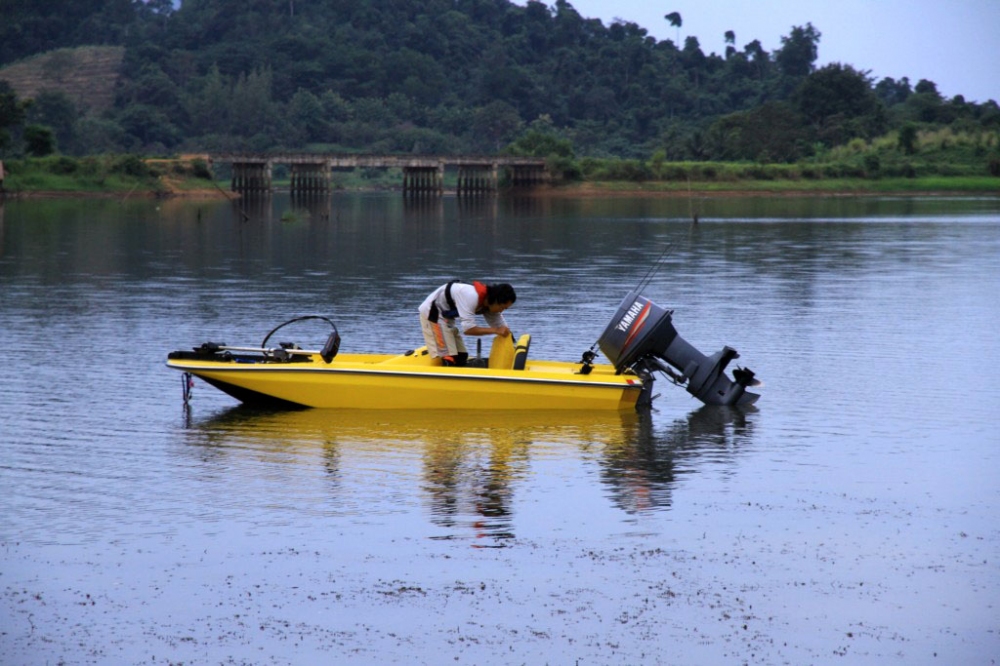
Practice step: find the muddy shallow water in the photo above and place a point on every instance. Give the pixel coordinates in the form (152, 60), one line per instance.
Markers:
(851, 517)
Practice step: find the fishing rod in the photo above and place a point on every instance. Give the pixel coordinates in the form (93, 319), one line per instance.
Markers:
(654, 269)
(587, 360)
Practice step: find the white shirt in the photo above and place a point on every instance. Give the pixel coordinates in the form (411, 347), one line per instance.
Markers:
(466, 301)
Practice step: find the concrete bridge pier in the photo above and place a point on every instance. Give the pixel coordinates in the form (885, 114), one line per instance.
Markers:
(527, 176)
(423, 175)
(251, 177)
(423, 180)
(310, 178)
(477, 178)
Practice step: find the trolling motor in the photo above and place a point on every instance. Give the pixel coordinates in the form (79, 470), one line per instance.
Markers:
(641, 337)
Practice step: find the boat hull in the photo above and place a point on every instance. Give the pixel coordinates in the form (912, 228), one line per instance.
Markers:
(373, 381)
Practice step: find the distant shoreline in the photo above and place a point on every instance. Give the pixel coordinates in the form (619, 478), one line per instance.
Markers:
(657, 189)
(708, 191)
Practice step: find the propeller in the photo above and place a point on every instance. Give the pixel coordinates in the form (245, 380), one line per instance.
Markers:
(746, 378)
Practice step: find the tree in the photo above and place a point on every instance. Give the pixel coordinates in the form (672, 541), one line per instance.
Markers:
(210, 102)
(799, 51)
(925, 87)
(675, 20)
(893, 92)
(730, 44)
(39, 141)
(537, 143)
(149, 126)
(908, 138)
(834, 89)
(839, 103)
(253, 109)
(772, 131)
(601, 104)
(12, 112)
(28, 28)
(758, 57)
(56, 111)
(693, 58)
(494, 124)
(98, 135)
(153, 87)
(226, 74)
(926, 104)
(307, 122)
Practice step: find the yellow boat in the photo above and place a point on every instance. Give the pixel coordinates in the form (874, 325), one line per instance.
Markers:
(638, 340)
(406, 381)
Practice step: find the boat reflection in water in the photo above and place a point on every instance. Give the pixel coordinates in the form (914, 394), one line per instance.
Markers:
(463, 468)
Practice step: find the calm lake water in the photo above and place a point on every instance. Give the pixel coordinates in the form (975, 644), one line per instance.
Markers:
(852, 517)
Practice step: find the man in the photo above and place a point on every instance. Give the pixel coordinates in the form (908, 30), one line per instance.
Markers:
(460, 301)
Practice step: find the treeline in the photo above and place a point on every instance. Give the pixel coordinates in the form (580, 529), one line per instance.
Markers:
(448, 76)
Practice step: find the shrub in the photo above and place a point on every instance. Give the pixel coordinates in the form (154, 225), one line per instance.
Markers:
(563, 167)
(200, 169)
(633, 170)
(130, 165)
(39, 140)
(63, 166)
(89, 166)
(673, 172)
(857, 145)
(908, 138)
(872, 165)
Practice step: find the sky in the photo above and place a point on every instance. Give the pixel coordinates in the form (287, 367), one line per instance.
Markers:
(954, 43)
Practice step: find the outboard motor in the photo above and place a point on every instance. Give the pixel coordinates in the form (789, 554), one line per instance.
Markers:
(641, 337)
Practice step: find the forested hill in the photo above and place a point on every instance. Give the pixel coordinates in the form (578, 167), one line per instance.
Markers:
(444, 76)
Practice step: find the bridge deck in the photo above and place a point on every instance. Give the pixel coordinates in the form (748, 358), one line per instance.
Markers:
(376, 161)
(421, 173)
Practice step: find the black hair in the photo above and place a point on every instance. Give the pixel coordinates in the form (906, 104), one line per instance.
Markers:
(500, 293)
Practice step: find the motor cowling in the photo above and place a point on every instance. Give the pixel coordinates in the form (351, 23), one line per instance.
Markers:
(641, 337)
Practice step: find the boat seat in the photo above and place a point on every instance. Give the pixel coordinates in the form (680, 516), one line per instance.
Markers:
(502, 353)
(505, 355)
(521, 352)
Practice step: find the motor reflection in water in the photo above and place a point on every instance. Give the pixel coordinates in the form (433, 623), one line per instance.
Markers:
(466, 470)
(642, 468)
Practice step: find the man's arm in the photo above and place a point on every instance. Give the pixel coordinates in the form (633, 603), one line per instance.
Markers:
(488, 330)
